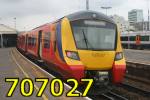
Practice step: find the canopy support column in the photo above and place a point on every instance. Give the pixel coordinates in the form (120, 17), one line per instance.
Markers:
(1, 40)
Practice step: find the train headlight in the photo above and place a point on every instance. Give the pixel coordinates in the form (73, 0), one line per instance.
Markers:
(72, 55)
(119, 56)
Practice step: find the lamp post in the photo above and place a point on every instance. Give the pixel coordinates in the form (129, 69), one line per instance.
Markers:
(128, 37)
(87, 4)
(106, 8)
(15, 23)
(148, 15)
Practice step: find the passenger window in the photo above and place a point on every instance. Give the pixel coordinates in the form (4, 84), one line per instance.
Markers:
(47, 40)
(29, 41)
(33, 41)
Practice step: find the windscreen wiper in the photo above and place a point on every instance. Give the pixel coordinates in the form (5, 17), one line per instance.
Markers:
(85, 39)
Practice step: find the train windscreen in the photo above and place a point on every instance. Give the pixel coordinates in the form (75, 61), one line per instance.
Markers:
(94, 34)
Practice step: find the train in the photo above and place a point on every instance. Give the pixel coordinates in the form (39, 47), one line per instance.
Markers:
(136, 40)
(84, 44)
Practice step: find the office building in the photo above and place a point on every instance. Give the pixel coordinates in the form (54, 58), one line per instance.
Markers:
(134, 16)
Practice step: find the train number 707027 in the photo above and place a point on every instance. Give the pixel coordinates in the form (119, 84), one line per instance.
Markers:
(26, 86)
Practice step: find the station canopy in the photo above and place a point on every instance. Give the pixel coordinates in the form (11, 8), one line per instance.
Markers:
(7, 30)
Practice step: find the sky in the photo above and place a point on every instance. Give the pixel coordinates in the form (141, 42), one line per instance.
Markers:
(32, 13)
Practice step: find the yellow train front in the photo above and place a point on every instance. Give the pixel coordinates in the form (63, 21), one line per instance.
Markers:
(90, 45)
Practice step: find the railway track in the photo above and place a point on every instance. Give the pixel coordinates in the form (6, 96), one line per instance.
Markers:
(140, 70)
(136, 90)
(134, 78)
(113, 96)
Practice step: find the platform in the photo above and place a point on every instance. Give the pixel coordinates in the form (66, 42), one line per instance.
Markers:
(13, 65)
(137, 56)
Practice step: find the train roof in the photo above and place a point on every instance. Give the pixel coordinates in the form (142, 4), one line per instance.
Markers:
(89, 15)
(141, 33)
(79, 15)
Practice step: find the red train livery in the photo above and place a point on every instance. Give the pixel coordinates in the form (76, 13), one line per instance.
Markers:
(85, 44)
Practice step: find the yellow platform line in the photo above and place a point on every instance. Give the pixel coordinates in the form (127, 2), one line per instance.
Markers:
(69, 87)
(36, 87)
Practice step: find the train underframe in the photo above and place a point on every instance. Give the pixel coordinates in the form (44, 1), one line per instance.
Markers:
(102, 81)
(134, 46)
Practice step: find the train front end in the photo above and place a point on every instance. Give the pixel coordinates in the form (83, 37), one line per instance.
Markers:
(91, 47)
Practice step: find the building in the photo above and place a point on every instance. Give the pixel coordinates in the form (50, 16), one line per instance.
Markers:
(141, 26)
(123, 25)
(7, 36)
(134, 16)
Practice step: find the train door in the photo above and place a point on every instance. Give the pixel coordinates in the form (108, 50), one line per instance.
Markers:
(40, 44)
(137, 39)
(138, 42)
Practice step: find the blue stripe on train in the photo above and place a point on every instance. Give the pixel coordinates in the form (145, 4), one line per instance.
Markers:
(59, 40)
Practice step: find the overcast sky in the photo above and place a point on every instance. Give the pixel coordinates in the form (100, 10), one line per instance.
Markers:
(32, 13)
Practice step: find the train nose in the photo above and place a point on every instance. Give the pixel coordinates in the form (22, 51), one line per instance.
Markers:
(97, 60)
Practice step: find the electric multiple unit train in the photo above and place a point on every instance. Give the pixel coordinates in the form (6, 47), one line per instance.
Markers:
(84, 44)
(136, 40)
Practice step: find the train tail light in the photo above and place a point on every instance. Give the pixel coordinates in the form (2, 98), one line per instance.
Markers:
(119, 56)
(72, 55)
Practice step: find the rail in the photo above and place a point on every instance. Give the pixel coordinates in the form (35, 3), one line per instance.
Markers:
(113, 96)
(135, 89)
